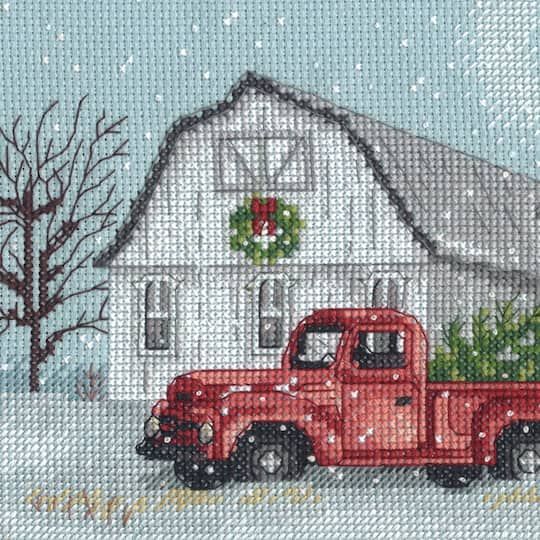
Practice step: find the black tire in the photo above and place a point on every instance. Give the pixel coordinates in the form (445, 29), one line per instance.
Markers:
(271, 452)
(518, 452)
(453, 477)
(197, 472)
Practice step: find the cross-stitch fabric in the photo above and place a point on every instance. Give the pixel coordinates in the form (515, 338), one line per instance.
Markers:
(269, 268)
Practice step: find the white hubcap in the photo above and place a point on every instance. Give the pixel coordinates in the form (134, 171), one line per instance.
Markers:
(529, 461)
(271, 461)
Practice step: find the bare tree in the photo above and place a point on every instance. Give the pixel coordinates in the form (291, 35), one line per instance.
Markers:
(55, 198)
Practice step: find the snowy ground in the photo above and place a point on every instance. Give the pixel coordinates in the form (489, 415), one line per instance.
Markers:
(83, 454)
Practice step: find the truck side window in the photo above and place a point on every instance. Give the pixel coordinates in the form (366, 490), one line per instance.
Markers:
(379, 350)
(317, 347)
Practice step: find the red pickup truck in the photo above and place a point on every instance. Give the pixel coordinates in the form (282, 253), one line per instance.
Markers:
(352, 391)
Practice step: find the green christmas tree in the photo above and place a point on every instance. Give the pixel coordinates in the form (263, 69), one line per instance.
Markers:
(504, 346)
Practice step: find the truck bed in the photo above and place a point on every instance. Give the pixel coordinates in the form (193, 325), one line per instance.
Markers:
(452, 409)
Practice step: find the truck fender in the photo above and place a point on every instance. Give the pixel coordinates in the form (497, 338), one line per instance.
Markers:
(246, 410)
(492, 418)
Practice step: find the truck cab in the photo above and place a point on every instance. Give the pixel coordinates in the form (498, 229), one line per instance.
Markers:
(352, 390)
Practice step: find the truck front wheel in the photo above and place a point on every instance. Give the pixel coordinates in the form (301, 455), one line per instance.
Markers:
(453, 477)
(197, 472)
(271, 452)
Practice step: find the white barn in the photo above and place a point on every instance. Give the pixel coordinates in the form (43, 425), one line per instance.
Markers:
(391, 219)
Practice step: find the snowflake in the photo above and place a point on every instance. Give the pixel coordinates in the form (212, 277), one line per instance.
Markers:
(229, 19)
(281, 21)
(183, 52)
(123, 67)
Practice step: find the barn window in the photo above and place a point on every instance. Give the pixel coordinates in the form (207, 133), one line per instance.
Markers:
(156, 313)
(385, 293)
(271, 300)
(261, 162)
(157, 316)
(270, 326)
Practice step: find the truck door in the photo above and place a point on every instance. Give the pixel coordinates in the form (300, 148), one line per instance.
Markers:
(380, 396)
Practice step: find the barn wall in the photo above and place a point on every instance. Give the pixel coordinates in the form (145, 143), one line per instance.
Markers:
(216, 315)
(347, 213)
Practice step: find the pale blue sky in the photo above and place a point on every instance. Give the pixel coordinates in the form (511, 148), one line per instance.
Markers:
(461, 72)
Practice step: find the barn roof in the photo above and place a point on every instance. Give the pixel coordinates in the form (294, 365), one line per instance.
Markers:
(461, 209)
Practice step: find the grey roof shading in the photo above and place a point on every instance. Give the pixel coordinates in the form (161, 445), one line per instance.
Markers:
(461, 209)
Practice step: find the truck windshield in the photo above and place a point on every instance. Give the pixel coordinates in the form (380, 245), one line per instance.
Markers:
(317, 347)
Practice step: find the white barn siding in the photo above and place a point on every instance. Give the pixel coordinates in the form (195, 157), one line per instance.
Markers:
(216, 315)
(347, 213)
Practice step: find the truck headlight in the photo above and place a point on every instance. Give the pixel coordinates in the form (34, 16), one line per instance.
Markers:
(206, 433)
(151, 427)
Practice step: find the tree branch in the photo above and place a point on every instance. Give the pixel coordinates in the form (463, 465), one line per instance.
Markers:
(52, 156)
(8, 278)
(81, 324)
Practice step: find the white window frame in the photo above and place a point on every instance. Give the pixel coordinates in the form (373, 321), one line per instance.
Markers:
(141, 287)
(254, 287)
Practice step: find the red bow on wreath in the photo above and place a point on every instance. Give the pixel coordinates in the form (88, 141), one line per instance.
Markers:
(262, 217)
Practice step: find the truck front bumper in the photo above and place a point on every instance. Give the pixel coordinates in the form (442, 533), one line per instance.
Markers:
(150, 451)
(166, 451)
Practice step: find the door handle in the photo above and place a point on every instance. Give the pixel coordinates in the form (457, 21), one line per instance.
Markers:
(401, 401)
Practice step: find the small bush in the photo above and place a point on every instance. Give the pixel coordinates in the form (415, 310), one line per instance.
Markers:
(90, 385)
(505, 346)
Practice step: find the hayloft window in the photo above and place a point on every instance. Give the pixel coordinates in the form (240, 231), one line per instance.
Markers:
(157, 316)
(261, 162)
(271, 301)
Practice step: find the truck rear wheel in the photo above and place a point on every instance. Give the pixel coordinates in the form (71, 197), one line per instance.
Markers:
(197, 472)
(271, 452)
(453, 477)
(518, 452)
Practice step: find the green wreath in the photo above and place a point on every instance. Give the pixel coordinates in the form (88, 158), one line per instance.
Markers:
(265, 229)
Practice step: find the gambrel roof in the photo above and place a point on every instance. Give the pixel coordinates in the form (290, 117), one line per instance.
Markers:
(461, 209)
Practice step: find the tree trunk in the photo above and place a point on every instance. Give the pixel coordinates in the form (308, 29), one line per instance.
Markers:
(35, 354)
(30, 316)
